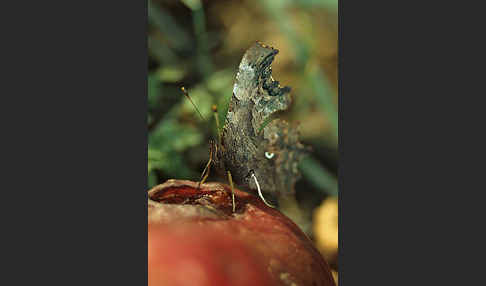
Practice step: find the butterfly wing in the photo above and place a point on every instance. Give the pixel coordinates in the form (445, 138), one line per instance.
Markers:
(249, 142)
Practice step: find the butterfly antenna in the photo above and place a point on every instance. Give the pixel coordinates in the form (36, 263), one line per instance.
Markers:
(184, 90)
(259, 190)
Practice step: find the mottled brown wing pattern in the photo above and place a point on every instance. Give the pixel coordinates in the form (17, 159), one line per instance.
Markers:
(273, 151)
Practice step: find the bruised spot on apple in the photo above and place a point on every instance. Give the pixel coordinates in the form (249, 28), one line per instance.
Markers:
(194, 238)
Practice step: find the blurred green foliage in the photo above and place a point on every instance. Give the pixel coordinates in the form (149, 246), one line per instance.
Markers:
(198, 44)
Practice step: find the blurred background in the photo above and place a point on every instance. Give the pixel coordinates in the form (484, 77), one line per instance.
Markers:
(199, 44)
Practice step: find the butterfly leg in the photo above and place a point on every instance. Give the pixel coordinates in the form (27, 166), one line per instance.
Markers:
(232, 190)
(206, 170)
(216, 118)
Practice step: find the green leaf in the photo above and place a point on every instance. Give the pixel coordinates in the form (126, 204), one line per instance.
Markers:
(325, 97)
(220, 81)
(153, 89)
(171, 74)
(171, 136)
(156, 160)
(152, 180)
(331, 5)
(319, 176)
(149, 119)
(168, 26)
(192, 4)
(167, 142)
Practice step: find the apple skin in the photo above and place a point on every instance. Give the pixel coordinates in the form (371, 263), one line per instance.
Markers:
(195, 239)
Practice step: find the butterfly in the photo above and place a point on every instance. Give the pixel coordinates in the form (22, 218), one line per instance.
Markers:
(255, 149)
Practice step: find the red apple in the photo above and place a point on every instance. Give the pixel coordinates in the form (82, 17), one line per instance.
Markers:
(195, 239)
